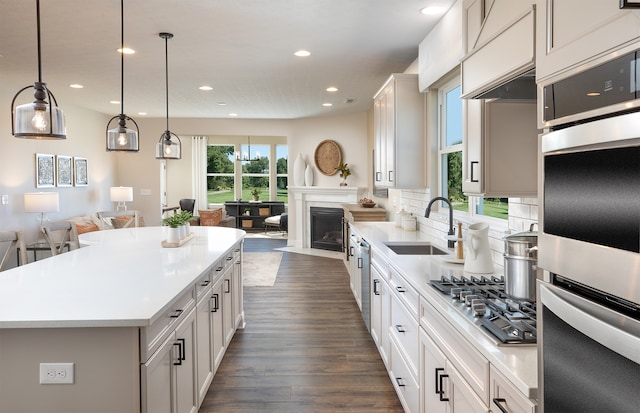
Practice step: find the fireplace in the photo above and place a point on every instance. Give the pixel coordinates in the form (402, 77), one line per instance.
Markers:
(326, 228)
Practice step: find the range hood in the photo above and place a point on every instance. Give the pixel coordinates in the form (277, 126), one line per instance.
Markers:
(522, 87)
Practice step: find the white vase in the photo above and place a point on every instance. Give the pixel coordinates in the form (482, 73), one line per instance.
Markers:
(173, 234)
(308, 176)
(183, 231)
(299, 166)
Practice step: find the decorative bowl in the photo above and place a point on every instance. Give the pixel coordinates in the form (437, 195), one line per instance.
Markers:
(367, 204)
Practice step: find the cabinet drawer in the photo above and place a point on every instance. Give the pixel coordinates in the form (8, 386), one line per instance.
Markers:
(505, 394)
(469, 361)
(404, 382)
(203, 283)
(404, 329)
(151, 337)
(407, 294)
(379, 260)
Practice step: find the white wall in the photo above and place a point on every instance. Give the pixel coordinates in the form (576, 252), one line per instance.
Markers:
(85, 138)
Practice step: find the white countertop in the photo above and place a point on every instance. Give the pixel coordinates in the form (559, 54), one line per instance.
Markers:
(121, 277)
(517, 363)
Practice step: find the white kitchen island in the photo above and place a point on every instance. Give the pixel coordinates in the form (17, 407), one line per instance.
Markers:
(144, 326)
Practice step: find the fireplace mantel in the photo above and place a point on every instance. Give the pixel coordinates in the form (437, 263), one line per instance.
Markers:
(304, 197)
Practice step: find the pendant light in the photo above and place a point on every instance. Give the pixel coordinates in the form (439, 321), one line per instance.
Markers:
(166, 148)
(246, 156)
(121, 138)
(41, 119)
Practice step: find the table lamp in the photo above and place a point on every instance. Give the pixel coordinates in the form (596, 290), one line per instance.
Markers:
(41, 202)
(121, 194)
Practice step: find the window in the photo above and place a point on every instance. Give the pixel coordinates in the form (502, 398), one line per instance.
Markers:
(450, 130)
(229, 179)
(450, 153)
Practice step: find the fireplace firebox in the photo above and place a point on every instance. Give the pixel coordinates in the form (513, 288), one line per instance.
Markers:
(326, 228)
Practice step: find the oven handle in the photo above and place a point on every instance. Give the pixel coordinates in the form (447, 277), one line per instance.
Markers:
(613, 330)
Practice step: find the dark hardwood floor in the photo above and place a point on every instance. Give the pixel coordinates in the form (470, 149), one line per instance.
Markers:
(304, 349)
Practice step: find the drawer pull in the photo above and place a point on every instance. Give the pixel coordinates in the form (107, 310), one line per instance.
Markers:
(227, 289)
(229, 258)
(401, 289)
(399, 381)
(181, 356)
(375, 286)
(216, 303)
(219, 269)
(499, 403)
(205, 283)
(441, 392)
(176, 314)
(400, 329)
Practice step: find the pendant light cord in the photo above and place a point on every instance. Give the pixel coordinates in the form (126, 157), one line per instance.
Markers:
(166, 72)
(39, 52)
(121, 57)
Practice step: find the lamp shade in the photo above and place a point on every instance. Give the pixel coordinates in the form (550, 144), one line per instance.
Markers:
(121, 194)
(41, 202)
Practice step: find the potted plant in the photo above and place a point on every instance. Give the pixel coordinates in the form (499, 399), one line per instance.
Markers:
(255, 193)
(173, 222)
(344, 173)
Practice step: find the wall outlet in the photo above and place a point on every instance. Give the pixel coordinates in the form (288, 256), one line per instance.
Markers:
(56, 373)
(5, 199)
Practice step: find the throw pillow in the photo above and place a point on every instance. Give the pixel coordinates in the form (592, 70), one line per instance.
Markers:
(210, 217)
(121, 222)
(86, 228)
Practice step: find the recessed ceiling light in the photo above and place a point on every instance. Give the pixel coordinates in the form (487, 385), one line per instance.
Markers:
(76, 86)
(205, 88)
(327, 104)
(332, 89)
(222, 103)
(591, 94)
(142, 113)
(126, 50)
(233, 114)
(432, 10)
(302, 53)
(115, 102)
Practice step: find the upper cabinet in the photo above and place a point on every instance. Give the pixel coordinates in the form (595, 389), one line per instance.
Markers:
(572, 33)
(399, 134)
(501, 147)
(499, 41)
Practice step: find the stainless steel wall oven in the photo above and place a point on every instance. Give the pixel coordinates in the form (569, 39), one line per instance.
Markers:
(589, 241)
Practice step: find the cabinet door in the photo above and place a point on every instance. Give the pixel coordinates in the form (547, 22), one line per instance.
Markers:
(227, 305)
(390, 136)
(571, 32)
(385, 321)
(185, 366)
(376, 304)
(204, 333)
(461, 396)
(378, 138)
(505, 395)
(237, 298)
(431, 370)
(472, 180)
(217, 323)
(156, 377)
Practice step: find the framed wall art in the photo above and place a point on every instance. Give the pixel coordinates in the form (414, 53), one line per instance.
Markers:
(64, 170)
(45, 170)
(80, 171)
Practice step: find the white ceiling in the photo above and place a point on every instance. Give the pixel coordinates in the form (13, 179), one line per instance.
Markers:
(243, 49)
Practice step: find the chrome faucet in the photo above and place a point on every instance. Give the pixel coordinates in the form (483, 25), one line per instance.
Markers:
(450, 243)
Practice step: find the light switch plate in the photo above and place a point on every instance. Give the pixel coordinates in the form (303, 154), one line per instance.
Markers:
(5, 199)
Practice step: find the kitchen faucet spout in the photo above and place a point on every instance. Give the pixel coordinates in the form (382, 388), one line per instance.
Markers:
(450, 243)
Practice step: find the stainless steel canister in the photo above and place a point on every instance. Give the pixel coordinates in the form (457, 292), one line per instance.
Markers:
(521, 264)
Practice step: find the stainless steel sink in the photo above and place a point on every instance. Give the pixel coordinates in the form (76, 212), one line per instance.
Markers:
(415, 248)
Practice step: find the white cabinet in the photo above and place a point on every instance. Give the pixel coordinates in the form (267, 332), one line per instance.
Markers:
(238, 299)
(204, 336)
(501, 147)
(573, 32)
(380, 305)
(168, 377)
(355, 267)
(505, 397)
(217, 323)
(399, 134)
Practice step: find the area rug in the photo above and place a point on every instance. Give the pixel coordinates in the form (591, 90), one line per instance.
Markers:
(259, 269)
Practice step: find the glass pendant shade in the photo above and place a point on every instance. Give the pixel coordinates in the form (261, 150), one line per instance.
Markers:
(122, 138)
(167, 148)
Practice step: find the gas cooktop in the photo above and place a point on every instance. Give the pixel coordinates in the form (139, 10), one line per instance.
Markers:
(507, 321)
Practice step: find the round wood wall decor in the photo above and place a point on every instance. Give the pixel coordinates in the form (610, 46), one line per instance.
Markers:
(328, 157)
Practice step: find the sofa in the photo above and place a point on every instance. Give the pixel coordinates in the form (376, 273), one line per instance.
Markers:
(216, 217)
